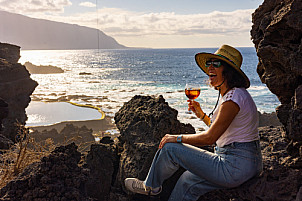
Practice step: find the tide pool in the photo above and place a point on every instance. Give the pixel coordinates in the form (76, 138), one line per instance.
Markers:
(47, 113)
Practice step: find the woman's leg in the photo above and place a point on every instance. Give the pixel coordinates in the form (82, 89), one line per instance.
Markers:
(200, 162)
(228, 167)
(190, 187)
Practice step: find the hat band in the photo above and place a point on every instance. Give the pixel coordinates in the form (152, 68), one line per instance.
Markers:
(228, 60)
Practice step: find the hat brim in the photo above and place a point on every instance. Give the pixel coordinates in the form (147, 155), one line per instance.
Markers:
(202, 57)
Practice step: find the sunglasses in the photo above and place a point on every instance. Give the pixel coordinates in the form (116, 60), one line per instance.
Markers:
(216, 64)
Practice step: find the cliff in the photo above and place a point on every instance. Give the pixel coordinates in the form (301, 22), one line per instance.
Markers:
(277, 35)
(16, 86)
(31, 33)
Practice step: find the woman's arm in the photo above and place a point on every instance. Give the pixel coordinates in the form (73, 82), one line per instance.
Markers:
(227, 112)
(195, 107)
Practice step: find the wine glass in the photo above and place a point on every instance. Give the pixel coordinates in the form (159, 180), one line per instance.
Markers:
(192, 91)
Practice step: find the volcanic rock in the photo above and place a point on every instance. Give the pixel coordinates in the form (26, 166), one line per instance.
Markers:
(5, 143)
(142, 122)
(16, 86)
(69, 133)
(9, 52)
(277, 35)
(102, 161)
(56, 177)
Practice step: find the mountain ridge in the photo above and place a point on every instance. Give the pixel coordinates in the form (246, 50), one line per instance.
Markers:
(32, 34)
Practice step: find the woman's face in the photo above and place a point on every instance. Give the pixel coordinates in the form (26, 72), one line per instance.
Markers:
(215, 74)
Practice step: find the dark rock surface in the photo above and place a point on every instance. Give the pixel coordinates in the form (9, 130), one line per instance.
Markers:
(16, 86)
(9, 52)
(69, 133)
(5, 143)
(3, 111)
(142, 122)
(56, 177)
(102, 161)
(277, 35)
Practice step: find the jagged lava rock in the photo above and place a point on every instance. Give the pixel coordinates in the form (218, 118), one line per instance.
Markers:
(102, 161)
(69, 133)
(56, 177)
(16, 86)
(142, 122)
(148, 119)
(277, 35)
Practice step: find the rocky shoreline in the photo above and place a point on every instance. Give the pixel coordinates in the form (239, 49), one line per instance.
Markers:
(98, 172)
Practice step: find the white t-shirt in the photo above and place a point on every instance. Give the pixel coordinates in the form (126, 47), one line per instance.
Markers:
(244, 127)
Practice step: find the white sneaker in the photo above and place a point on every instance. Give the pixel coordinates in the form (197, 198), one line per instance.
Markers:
(137, 186)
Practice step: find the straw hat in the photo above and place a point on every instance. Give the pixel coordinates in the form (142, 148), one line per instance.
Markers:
(227, 54)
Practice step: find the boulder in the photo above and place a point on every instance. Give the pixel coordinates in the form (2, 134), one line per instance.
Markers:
(9, 52)
(56, 177)
(102, 162)
(16, 86)
(142, 122)
(276, 33)
(70, 133)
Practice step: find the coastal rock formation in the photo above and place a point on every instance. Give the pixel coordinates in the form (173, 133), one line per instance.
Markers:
(69, 133)
(142, 122)
(16, 86)
(9, 52)
(34, 69)
(56, 177)
(277, 35)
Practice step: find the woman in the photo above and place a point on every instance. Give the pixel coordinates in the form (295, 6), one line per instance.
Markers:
(233, 128)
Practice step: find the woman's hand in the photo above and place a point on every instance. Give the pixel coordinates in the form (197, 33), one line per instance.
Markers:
(195, 107)
(167, 138)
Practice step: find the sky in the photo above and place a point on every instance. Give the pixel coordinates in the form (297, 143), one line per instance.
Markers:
(152, 23)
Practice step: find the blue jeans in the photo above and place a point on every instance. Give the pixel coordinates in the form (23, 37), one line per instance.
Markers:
(227, 167)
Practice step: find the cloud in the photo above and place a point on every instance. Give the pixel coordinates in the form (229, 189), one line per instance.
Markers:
(32, 7)
(123, 23)
(166, 23)
(88, 4)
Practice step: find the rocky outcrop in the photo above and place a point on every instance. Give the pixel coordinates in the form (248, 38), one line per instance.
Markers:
(142, 122)
(102, 161)
(16, 86)
(56, 177)
(9, 52)
(69, 133)
(34, 69)
(277, 35)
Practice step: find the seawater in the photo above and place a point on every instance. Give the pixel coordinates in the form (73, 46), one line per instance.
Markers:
(115, 76)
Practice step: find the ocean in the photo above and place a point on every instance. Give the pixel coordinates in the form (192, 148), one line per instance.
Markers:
(109, 78)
